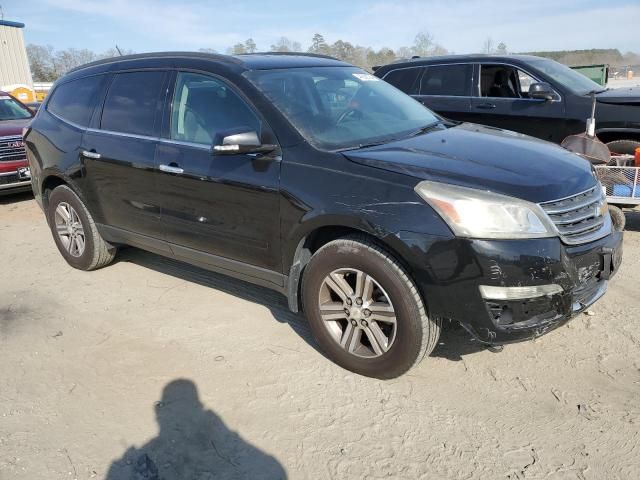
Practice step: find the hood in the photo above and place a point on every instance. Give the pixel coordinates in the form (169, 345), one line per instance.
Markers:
(12, 127)
(484, 158)
(625, 96)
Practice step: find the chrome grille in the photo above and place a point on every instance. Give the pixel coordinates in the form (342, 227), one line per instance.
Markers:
(580, 218)
(12, 148)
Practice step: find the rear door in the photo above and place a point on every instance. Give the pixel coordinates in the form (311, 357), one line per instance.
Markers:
(446, 89)
(222, 210)
(119, 152)
(501, 100)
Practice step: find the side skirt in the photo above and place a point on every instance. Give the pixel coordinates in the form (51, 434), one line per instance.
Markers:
(233, 268)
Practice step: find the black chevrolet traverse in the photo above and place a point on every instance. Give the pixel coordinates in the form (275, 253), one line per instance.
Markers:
(527, 94)
(304, 174)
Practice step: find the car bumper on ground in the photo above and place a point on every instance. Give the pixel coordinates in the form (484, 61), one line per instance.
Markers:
(504, 291)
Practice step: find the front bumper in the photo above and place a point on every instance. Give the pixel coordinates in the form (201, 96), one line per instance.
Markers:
(14, 177)
(449, 273)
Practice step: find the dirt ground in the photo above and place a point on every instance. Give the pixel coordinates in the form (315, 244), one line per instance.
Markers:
(152, 367)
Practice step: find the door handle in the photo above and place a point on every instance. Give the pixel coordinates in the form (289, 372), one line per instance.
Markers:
(486, 106)
(94, 155)
(171, 169)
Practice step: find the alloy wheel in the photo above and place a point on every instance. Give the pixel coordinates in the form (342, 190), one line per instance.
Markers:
(357, 312)
(69, 229)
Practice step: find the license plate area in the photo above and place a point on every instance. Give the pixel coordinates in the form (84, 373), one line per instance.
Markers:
(24, 173)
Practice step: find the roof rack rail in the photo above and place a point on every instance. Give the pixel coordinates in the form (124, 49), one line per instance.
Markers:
(137, 56)
(299, 54)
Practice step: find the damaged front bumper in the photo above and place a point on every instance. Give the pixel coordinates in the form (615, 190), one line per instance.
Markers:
(458, 277)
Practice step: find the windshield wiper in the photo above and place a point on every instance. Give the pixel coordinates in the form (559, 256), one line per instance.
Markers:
(363, 145)
(425, 129)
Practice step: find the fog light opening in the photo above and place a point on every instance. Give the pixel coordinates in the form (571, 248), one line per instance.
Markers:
(489, 292)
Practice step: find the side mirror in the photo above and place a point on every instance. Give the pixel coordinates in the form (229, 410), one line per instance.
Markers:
(239, 140)
(541, 91)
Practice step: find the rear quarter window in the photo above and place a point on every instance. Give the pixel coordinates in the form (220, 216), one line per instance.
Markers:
(405, 79)
(447, 80)
(74, 101)
(133, 102)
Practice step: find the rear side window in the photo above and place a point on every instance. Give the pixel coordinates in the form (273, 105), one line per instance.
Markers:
(132, 102)
(74, 101)
(405, 79)
(448, 80)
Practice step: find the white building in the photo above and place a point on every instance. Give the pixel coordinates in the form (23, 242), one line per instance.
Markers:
(15, 75)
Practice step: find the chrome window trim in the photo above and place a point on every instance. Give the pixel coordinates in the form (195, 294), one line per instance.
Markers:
(202, 146)
(480, 64)
(123, 134)
(68, 122)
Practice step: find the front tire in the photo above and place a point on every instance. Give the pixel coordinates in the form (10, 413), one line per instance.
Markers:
(364, 310)
(75, 232)
(617, 218)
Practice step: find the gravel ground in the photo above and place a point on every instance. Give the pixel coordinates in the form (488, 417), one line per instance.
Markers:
(152, 367)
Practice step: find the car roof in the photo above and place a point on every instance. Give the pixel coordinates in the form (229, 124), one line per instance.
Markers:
(254, 61)
(463, 59)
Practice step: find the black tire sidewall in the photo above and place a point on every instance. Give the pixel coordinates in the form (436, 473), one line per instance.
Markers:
(617, 218)
(407, 346)
(65, 194)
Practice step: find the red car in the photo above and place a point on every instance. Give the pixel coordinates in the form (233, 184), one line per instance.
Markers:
(15, 175)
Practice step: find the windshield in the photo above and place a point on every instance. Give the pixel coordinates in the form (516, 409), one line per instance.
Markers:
(574, 81)
(12, 110)
(336, 108)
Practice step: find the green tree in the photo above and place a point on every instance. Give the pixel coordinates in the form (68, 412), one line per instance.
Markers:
(423, 44)
(286, 45)
(501, 49)
(238, 49)
(250, 46)
(319, 45)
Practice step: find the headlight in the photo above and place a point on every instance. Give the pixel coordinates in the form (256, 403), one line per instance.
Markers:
(481, 214)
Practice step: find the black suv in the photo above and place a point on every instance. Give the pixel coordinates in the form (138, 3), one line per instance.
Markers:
(314, 178)
(523, 93)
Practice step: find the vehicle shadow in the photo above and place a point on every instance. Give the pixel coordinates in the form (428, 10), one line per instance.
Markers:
(193, 443)
(633, 220)
(8, 198)
(275, 302)
(453, 344)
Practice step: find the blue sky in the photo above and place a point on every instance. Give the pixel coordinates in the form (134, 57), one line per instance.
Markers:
(459, 25)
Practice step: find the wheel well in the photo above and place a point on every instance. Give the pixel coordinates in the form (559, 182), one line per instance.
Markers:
(312, 243)
(48, 185)
(607, 137)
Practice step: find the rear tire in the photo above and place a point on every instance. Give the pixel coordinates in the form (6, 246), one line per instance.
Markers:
(617, 218)
(75, 232)
(375, 289)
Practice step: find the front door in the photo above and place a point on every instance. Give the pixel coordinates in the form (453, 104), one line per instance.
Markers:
(220, 209)
(501, 100)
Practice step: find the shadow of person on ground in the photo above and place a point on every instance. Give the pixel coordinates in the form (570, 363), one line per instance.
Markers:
(193, 444)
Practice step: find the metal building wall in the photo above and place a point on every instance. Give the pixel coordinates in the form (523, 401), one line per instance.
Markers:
(14, 65)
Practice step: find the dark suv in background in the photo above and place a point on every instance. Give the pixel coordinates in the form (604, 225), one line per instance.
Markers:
(526, 94)
(314, 178)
